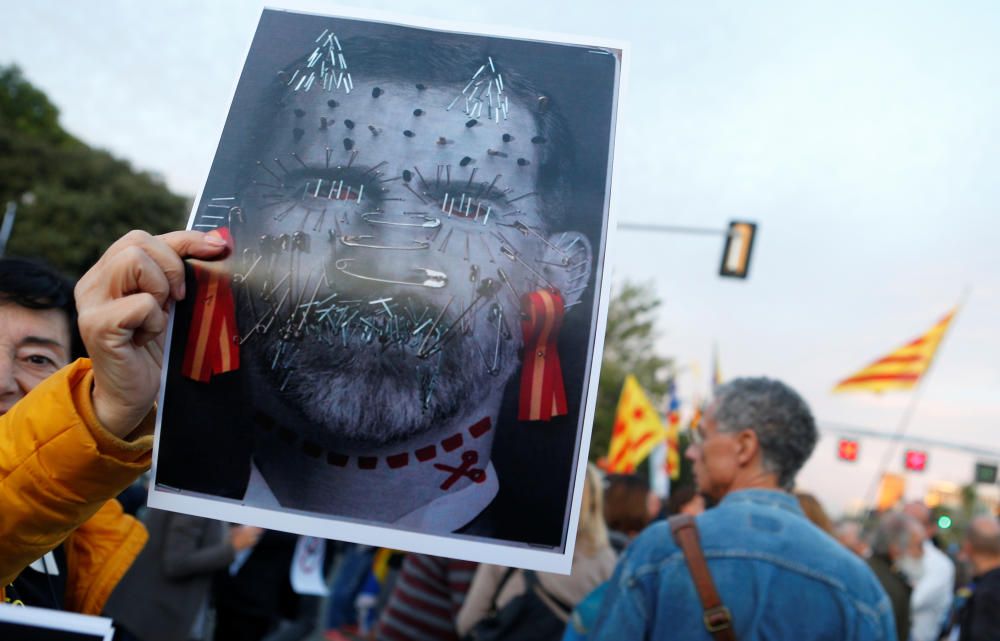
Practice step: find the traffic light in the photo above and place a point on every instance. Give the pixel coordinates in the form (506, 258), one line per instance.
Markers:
(736, 253)
(847, 449)
(944, 522)
(986, 473)
(915, 460)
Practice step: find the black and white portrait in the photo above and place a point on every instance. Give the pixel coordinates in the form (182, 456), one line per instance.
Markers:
(403, 337)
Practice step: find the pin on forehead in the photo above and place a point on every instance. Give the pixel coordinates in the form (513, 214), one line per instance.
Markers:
(417, 117)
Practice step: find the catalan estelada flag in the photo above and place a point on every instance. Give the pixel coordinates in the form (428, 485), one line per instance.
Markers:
(637, 429)
(901, 369)
(673, 436)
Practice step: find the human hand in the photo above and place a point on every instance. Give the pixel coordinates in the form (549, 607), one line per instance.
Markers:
(122, 303)
(242, 537)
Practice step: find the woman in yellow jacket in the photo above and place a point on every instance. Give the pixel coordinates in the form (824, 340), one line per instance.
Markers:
(71, 438)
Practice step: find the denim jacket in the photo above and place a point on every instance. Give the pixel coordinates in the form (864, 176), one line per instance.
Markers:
(780, 576)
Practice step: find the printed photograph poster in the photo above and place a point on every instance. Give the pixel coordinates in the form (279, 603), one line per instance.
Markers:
(26, 623)
(402, 347)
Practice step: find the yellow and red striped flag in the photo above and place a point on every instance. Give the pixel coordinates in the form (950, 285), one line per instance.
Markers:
(901, 369)
(637, 429)
(673, 436)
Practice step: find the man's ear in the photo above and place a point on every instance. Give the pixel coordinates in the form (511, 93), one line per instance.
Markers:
(749, 447)
(568, 264)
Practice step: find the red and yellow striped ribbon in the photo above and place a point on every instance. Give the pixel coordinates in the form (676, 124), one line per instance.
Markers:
(212, 347)
(543, 395)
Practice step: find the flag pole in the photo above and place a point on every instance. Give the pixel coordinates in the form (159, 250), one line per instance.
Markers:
(904, 422)
(892, 448)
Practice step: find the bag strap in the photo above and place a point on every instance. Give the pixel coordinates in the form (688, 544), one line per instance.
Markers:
(716, 616)
(532, 582)
(503, 582)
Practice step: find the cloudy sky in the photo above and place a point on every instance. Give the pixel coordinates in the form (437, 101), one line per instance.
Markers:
(863, 139)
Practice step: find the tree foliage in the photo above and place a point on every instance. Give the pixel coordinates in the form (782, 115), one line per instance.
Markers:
(629, 348)
(82, 199)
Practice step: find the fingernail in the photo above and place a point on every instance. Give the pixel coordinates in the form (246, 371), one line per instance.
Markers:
(181, 290)
(215, 241)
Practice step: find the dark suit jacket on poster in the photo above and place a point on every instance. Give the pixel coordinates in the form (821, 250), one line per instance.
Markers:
(208, 444)
(168, 584)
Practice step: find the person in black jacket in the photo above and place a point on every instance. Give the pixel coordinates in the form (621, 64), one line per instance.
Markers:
(980, 618)
(255, 592)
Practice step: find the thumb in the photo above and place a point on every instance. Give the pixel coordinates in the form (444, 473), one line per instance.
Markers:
(196, 244)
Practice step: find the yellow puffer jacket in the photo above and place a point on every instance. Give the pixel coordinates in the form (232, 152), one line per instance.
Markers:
(59, 470)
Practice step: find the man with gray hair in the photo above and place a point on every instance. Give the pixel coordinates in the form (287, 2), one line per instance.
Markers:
(979, 620)
(777, 576)
(897, 560)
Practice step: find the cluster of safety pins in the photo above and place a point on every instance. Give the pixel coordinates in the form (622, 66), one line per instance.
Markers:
(287, 313)
(326, 64)
(484, 92)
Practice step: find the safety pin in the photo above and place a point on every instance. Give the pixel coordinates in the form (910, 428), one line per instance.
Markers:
(266, 295)
(270, 317)
(511, 254)
(431, 278)
(239, 278)
(524, 229)
(429, 223)
(355, 241)
(506, 281)
(496, 311)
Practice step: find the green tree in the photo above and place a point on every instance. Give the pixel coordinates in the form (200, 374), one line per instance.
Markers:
(83, 199)
(629, 348)
(25, 109)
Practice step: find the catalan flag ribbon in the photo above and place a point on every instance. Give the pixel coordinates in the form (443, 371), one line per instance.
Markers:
(543, 395)
(637, 429)
(901, 369)
(212, 347)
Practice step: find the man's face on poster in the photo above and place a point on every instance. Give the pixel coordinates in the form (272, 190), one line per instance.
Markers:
(388, 241)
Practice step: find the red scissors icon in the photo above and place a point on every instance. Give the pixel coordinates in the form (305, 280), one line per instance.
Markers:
(469, 459)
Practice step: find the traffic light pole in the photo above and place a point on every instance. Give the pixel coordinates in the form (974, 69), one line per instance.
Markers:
(739, 237)
(674, 229)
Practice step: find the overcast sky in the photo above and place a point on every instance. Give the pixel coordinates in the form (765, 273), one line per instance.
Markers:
(863, 139)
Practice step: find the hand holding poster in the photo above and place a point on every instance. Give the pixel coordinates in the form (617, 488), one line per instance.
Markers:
(402, 348)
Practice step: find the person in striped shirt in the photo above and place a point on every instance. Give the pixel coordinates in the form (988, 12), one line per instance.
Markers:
(425, 599)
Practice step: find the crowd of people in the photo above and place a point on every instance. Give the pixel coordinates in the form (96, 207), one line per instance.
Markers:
(738, 555)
